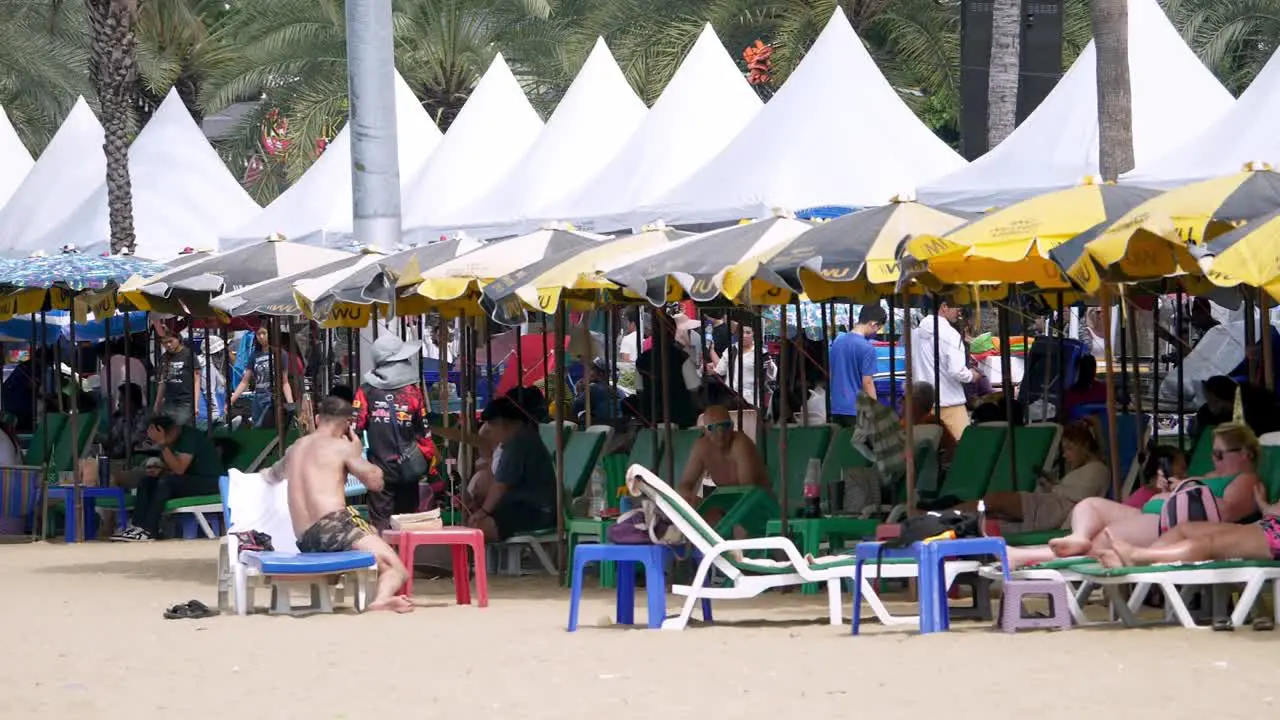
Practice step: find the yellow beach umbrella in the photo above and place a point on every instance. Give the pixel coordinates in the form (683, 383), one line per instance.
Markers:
(1150, 240)
(540, 287)
(846, 258)
(1249, 255)
(453, 287)
(1012, 244)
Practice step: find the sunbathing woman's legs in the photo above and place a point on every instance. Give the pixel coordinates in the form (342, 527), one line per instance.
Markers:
(1089, 518)
(1193, 542)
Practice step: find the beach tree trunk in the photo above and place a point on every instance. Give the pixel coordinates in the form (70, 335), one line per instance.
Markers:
(1115, 101)
(1002, 76)
(113, 54)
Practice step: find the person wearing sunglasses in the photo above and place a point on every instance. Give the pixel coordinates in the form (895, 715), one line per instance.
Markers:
(1097, 522)
(723, 455)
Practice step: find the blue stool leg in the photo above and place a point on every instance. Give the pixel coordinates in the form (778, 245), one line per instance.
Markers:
(90, 518)
(927, 593)
(857, 596)
(655, 583)
(69, 518)
(944, 606)
(626, 605)
(575, 591)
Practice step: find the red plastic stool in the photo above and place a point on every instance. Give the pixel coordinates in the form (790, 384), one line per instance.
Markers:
(458, 540)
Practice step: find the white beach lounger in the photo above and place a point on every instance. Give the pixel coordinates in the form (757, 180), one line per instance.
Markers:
(1176, 579)
(750, 577)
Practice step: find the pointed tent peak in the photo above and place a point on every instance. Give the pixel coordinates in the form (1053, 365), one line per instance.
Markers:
(15, 159)
(703, 65)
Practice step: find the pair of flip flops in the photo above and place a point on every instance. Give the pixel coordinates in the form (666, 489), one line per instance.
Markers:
(190, 610)
(1260, 623)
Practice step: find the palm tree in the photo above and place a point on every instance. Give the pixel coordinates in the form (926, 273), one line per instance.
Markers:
(176, 50)
(1002, 72)
(44, 65)
(1234, 38)
(113, 64)
(291, 55)
(1115, 103)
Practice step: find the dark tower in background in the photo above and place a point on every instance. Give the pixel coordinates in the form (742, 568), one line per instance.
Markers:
(1039, 70)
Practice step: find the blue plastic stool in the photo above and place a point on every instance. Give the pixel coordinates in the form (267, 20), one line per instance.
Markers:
(652, 557)
(90, 495)
(935, 615)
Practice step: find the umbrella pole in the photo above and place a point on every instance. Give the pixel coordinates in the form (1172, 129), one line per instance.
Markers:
(1113, 444)
(277, 380)
(208, 380)
(561, 377)
(1060, 402)
(488, 354)
(546, 367)
(758, 332)
(57, 374)
(826, 343)
(741, 373)
(893, 349)
(937, 362)
(782, 429)
(40, 379)
(1155, 364)
(908, 406)
(1250, 340)
(127, 402)
(422, 374)
(802, 358)
(1264, 311)
(663, 343)
(519, 357)
(443, 379)
(76, 477)
(1137, 385)
(1006, 385)
(1182, 342)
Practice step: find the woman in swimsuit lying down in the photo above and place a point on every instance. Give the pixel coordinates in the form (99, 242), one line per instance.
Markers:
(1200, 541)
(1097, 522)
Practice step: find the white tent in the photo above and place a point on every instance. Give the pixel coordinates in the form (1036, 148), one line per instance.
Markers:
(316, 210)
(703, 108)
(836, 133)
(1175, 97)
(183, 194)
(594, 119)
(1241, 135)
(15, 161)
(70, 169)
(492, 132)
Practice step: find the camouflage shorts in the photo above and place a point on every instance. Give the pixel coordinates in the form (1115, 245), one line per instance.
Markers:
(336, 532)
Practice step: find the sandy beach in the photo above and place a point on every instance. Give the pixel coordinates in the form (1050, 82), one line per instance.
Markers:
(84, 638)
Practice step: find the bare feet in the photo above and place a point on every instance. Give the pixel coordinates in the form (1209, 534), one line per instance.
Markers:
(1110, 559)
(396, 603)
(1070, 546)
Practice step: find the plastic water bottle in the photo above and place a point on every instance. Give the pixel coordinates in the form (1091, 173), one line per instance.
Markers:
(596, 493)
(813, 489)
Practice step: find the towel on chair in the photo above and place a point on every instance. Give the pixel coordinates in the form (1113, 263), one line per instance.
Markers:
(260, 506)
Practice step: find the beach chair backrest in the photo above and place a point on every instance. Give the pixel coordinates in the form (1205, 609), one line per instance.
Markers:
(803, 445)
(1037, 447)
(581, 453)
(1201, 461)
(646, 449)
(976, 454)
(547, 431)
(1269, 465)
(928, 439)
(841, 456)
(642, 482)
(251, 503)
(682, 442)
(45, 439)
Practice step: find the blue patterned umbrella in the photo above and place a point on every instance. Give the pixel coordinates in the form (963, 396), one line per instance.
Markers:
(74, 271)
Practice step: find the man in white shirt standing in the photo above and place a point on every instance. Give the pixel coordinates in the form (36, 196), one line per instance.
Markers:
(948, 348)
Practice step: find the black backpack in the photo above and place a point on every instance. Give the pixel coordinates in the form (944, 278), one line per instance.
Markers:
(931, 524)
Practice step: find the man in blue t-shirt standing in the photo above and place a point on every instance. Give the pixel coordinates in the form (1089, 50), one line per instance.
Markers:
(853, 364)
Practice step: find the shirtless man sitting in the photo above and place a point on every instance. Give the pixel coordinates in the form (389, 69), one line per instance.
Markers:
(317, 466)
(725, 455)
